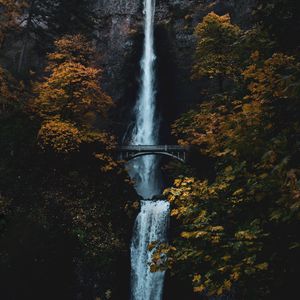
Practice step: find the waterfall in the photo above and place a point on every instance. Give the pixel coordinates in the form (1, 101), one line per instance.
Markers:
(145, 131)
(152, 221)
(150, 226)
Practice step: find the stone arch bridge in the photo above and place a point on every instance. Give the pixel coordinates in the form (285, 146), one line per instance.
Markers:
(133, 151)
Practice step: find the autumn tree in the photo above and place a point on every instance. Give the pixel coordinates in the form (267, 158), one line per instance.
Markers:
(216, 52)
(230, 226)
(70, 101)
(72, 48)
(10, 13)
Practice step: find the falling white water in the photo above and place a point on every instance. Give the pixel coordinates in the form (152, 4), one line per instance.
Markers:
(152, 221)
(145, 132)
(150, 226)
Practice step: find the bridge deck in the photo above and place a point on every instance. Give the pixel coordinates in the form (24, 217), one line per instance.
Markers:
(153, 148)
(133, 151)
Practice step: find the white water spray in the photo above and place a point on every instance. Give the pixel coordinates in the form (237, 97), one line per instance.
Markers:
(151, 223)
(150, 226)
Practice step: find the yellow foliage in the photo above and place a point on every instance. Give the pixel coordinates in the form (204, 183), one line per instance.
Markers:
(245, 235)
(197, 278)
(10, 12)
(217, 228)
(262, 267)
(72, 90)
(108, 164)
(71, 102)
(238, 192)
(199, 289)
(215, 52)
(227, 285)
(226, 258)
(61, 137)
(235, 276)
(177, 182)
(220, 291)
(72, 48)
(272, 79)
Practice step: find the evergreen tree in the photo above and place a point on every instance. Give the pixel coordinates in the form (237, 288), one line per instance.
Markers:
(43, 21)
(281, 19)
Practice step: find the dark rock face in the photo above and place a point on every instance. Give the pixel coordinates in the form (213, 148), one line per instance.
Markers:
(120, 36)
(120, 22)
(119, 39)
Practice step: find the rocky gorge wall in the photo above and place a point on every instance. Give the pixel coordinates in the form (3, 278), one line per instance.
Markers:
(119, 41)
(118, 38)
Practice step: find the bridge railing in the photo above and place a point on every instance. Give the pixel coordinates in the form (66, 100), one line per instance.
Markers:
(146, 148)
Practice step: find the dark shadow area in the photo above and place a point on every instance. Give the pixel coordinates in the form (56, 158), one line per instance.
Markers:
(36, 264)
(123, 113)
(166, 84)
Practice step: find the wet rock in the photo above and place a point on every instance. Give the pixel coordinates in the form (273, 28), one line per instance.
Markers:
(119, 41)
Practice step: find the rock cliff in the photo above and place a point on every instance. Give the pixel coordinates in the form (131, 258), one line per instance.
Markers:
(119, 40)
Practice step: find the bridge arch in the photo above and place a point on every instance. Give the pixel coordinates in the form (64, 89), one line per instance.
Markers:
(139, 154)
(130, 152)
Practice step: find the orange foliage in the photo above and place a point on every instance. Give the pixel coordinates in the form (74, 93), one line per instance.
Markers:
(10, 11)
(273, 78)
(75, 48)
(71, 91)
(62, 137)
(216, 53)
(71, 102)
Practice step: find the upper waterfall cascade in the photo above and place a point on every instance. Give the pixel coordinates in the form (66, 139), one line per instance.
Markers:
(152, 221)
